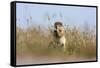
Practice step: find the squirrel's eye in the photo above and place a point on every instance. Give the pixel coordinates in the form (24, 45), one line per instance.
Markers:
(59, 30)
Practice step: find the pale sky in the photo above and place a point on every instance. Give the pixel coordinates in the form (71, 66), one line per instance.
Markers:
(69, 15)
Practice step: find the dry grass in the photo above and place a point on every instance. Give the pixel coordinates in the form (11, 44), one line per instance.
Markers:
(35, 41)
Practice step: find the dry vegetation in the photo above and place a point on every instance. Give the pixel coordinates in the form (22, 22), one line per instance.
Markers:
(35, 41)
(33, 45)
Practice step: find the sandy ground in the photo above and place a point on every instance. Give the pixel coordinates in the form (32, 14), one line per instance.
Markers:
(25, 60)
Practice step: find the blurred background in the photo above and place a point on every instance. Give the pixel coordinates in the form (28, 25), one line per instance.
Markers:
(35, 23)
